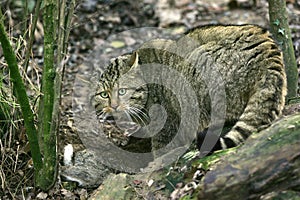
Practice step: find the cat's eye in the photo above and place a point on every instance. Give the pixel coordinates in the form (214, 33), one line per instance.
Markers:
(122, 91)
(104, 94)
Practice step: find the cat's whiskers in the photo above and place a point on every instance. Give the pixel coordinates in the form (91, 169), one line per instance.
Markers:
(135, 112)
(127, 113)
(134, 115)
(140, 109)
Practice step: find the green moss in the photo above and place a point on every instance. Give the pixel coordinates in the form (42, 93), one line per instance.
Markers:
(209, 161)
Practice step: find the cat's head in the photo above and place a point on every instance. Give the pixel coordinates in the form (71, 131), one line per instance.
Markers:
(121, 93)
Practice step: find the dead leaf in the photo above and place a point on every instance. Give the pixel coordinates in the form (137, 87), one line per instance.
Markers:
(42, 195)
(117, 44)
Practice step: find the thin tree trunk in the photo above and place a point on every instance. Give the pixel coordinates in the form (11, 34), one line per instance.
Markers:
(48, 174)
(65, 16)
(281, 32)
(56, 25)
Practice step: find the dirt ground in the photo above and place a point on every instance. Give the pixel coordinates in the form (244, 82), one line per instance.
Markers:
(93, 26)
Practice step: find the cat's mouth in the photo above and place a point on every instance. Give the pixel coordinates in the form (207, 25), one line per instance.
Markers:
(118, 122)
(109, 118)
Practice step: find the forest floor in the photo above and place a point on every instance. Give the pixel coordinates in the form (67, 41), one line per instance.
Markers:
(95, 23)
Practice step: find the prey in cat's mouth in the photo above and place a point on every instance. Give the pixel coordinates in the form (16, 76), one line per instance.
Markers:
(107, 119)
(127, 126)
(119, 121)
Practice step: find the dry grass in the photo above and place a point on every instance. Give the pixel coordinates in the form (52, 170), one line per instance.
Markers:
(16, 169)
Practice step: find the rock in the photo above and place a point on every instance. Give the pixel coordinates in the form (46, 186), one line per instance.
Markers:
(116, 186)
(87, 171)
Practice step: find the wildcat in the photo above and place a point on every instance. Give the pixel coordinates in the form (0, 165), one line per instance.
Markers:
(232, 73)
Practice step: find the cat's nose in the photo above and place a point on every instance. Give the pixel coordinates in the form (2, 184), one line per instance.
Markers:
(114, 106)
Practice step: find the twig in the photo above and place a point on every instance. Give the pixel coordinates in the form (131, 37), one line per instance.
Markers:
(31, 35)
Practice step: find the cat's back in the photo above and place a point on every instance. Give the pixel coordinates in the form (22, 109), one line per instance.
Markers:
(249, 48)
(229, 34)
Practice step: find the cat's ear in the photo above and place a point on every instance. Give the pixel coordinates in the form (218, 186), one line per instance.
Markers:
(134, 60)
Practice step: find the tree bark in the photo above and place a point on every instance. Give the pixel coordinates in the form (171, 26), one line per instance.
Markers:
(268, 162)
(57, 18)
(282, 34)
(48, 173)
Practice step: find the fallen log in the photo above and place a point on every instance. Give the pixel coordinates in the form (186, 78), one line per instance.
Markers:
(268, 162)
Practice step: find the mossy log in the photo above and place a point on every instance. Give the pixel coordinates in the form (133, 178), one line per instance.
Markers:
(268, 162)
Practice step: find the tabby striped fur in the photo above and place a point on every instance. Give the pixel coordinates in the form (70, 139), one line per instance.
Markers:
(247, 58)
